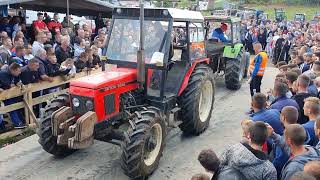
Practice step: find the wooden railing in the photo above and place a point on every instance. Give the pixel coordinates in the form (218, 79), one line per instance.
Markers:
(27, 90)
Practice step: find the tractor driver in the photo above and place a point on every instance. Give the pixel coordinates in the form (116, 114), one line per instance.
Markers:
(218, 33)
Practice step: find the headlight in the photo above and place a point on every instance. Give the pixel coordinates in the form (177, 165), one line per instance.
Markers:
(89, 105)
(75, 102)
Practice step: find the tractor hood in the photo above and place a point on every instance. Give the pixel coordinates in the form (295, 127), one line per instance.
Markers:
(106, 78)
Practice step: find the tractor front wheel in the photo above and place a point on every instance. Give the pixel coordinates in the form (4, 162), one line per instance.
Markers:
(234, 72)
(197, 101)
(144, 143)
(44, 131)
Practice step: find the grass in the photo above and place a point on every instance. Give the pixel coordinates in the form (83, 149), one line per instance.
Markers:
(290, 11)
(10, 140)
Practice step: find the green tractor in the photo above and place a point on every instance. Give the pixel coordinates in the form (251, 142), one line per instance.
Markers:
(227, 58)
(300, 17)
(280, 15)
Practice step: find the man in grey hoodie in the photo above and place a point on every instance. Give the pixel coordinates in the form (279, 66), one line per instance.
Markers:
(249, 158)
(293, 145)
(295, 136)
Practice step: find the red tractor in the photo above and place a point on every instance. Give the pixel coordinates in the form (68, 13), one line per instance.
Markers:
(114, 106)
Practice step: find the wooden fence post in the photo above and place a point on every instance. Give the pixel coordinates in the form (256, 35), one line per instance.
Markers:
(26, 112)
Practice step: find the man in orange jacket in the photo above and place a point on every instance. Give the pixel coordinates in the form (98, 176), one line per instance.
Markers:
(257, 68)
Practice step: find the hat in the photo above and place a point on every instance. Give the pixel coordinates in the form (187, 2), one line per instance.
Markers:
(224, 26)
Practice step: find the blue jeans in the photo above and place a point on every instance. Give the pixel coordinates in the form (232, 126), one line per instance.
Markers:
(16, 120)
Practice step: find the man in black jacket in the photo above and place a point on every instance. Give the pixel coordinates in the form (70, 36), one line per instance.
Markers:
(9, 77)
(302, 84)
(209, 160)
(53, 67)
(29, 73)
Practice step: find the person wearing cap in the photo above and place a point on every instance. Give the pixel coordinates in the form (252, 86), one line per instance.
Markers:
(39, 25)
(257, 68)
(219, 33)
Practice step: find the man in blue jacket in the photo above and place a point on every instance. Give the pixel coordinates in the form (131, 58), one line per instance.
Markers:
(219, 33)
(270, 116)
(8, 78)
(280, 91)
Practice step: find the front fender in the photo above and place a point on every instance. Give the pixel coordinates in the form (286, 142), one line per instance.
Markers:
(189, 72)
(232, 52)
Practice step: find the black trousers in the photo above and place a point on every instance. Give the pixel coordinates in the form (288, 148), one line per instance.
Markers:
(255, 85)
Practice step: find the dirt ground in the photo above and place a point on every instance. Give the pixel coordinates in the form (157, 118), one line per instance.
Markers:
(26, 159)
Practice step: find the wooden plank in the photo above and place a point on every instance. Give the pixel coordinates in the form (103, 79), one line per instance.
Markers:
(12, 133)
(12, 107)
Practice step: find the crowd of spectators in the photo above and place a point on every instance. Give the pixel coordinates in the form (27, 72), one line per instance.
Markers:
(280, 138)
(53, 48)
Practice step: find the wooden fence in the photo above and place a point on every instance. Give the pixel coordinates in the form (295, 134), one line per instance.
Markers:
(26, 93)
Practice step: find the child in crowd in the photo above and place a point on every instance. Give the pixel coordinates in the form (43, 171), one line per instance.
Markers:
(54, 68)
(96, 59)
(82, 62)
(69, 63)
(28, 55)
(245, 124)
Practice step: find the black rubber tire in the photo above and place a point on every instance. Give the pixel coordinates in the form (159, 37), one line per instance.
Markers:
(44, 131)
(189, 101)
(133, 147)
(234, 71)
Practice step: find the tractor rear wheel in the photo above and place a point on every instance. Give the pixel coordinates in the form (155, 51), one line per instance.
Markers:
(144, 143)
(234, 71)
(197, 101)
(44, 131)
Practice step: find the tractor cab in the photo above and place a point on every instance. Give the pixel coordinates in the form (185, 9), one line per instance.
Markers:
(279, 14)
(232, 35)
(300, 17)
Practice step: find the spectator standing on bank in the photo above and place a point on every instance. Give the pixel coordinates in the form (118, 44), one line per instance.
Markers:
(29, 73)
(39, 25)
(257, 68)
(312, 110)
(54, 25)
(270, 116)
(9, 77)
(209, 160)
(63, 51)
(5, 51)
(249, 158)
(302, 84)
(38, 44)
(28, 55)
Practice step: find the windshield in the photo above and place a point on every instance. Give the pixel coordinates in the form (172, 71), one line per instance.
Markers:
(125, 36)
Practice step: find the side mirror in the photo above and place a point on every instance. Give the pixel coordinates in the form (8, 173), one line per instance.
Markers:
(157, 58)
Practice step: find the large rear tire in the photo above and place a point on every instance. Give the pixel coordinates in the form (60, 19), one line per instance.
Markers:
(234, 71)
(144, 143)
(44, 131)
(197, 101)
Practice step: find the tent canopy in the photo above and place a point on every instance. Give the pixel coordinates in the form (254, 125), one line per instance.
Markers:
(76, 7)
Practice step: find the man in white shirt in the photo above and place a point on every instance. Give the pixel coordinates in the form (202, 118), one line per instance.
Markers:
(38, 44)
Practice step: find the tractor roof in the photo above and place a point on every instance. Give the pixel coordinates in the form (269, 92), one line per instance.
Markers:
(163, 13)
(222, 18)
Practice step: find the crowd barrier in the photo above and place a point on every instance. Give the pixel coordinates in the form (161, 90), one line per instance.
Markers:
(26, 93)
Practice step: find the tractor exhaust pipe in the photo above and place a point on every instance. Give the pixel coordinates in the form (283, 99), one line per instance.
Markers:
(140, 54)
